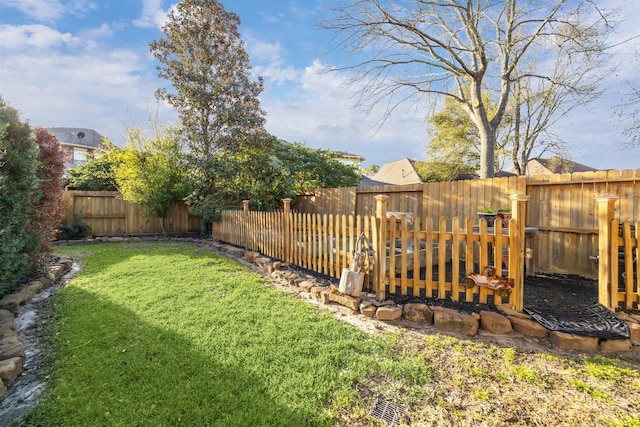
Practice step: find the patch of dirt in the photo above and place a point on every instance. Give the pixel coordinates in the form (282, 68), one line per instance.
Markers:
(559, 291)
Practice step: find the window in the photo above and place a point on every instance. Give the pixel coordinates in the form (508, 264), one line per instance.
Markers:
(79, 156)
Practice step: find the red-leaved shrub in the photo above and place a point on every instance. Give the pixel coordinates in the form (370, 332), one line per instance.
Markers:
(51, 176)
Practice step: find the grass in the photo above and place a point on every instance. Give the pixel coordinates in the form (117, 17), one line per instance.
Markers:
(171, 334)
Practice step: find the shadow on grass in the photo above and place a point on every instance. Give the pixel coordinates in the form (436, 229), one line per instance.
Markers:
(114, 368)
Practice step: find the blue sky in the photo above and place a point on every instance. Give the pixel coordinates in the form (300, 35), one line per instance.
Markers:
(86, 63)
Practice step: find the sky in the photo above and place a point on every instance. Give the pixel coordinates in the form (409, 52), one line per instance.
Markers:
(86, 64)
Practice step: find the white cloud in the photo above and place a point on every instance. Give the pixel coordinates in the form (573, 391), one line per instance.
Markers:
(50, 10)
(319, 111)
(35, 36)
(153, 16)
(104, 30)
(41, 10)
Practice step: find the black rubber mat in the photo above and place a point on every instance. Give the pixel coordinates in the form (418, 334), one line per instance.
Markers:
(592, 321)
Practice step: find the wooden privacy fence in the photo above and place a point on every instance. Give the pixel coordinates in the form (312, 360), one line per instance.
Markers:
(107, 214)
(562, 207)
(402, 256)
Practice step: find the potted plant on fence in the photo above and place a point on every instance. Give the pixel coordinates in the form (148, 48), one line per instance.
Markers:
(489, 214)
(505, 216)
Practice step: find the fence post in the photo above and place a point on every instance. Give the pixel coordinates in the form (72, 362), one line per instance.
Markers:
(381, 244)
(519, 214)
(607, 287)
(286, 223)
(246, 235)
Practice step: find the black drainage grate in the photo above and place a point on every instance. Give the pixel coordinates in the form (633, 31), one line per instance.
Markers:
(392, 413)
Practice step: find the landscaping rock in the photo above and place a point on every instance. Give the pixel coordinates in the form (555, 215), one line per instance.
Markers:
(573, 342)
(7, 320)
(494, 322)
(115, 239)
(35, 287)
(320, 293)
(251, 256)
(368, 309)
(3, 391)
(389, 312)
(418, 312)
(262, 261)
(345, 300)
(529, 328)
(451, 321)
(508, 311)
(634, 331)
(10, 369)
(306, 285)
(12, 302)
(615, 346)
(10, 347)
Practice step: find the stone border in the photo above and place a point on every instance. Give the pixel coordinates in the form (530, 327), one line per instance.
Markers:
(12, 352)
(441, 319)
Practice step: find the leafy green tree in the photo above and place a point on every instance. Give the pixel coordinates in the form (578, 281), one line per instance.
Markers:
(203, 57)
(370, 170)
(312, 169)
(266, 175)
(96, 174)
(19, 190)
(150, 171)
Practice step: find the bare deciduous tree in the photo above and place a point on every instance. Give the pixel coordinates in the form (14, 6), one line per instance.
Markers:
(404, 49)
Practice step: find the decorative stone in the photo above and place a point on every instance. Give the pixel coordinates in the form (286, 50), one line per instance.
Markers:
(115, 239)
(573, 342)
(36, 286)
(306, 285)
(389, 312)
(10, 369)
(529, 328)
(251, 255)
(345, 300)
(451, 321)
(262, 261)
(7, 320)
(320, 293)
(508, 311)
(634, 331)
(615, 346)
(12, 302)
(10, 347)
(419, 313)
(494, 322)
(368, 309)
(3, 391)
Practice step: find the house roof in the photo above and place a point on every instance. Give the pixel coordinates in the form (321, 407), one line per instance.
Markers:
(80, 137)
(555, 164)
(398, 172)
(365, 181)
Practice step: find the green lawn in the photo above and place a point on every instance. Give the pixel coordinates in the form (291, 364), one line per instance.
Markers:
(169, 334)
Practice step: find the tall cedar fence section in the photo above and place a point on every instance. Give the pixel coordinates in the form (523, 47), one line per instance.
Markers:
(107, 215)
(562, 206)
(401, 256)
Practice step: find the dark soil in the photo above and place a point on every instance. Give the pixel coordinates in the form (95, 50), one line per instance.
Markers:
(542, 291)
